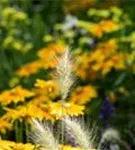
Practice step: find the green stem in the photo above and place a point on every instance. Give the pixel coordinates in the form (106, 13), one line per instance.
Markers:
(26, 130)
(18, 131)
(62, 124)
(35, 147)
(21, 132)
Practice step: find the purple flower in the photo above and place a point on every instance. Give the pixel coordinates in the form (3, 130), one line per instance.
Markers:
(107, 111)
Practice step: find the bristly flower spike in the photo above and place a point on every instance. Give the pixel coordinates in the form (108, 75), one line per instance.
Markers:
(43, 136)
(111, 135)
(64, 74)
(83, 137)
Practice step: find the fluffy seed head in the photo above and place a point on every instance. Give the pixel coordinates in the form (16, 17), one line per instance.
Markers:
(82, 136)
(110, 134)
(64, 74)
(42, 135)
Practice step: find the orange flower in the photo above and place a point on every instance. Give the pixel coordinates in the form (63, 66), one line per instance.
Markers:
(106, 57)
(107, 66)
(89, 65)
(46, 60)
(48, 63)
(82, 65)
(104, 26)
(101, 60)
(51, 50)
(15, 95)
(47, 55)
(84, 94)
(29, 69)
(108, 47)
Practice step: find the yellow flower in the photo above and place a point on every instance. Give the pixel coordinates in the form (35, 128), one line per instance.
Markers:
(4, 125)
(104, 27)
(107, 66)
(27, 112)
(46, 60)
(101, 60)
(97, 55)
(40, 99)
(8, 145)
(83, 68)
(120, 61)
(68, 147)
(104, 51)
(58, 110)
(108, 47)
(106, 57)
(29, 69)
(47, 55)
(21, 146)
(15, 95)
(51, 50)
(97, 66)
(84, 94)
(49, 88)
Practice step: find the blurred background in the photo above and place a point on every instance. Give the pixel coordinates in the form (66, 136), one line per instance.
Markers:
(101, 35)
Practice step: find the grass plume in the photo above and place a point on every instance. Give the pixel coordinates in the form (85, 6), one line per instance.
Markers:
(64, 74)
(83, 136)
(112, 135)
(43, 136)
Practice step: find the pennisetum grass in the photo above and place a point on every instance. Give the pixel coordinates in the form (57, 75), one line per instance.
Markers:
(64, 74)
(84, 137)
(43, 136)
(65, 79)
(111, 135)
